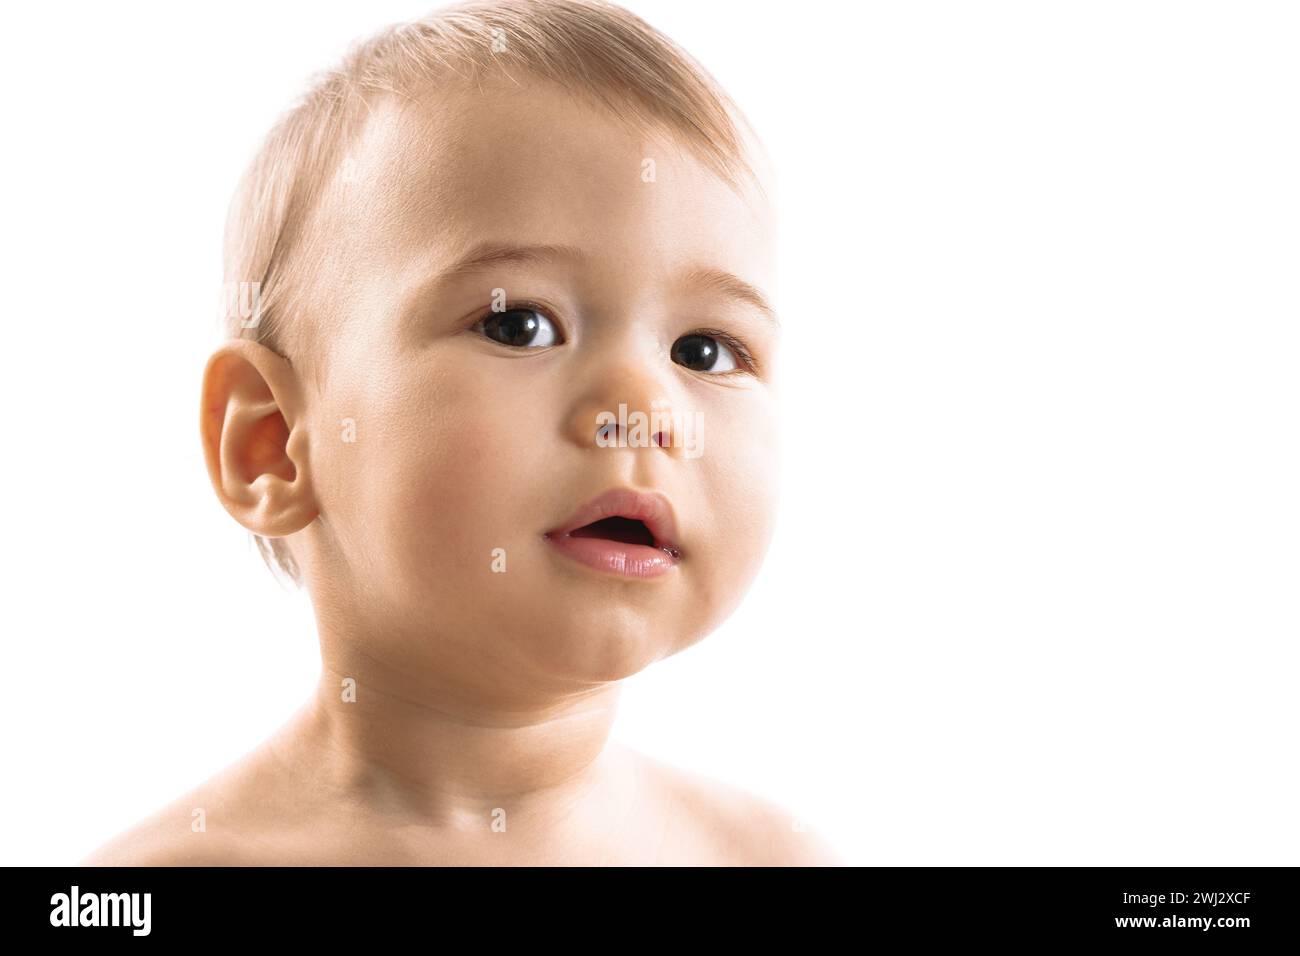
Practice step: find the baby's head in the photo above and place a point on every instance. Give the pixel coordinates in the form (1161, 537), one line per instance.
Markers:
(501, 262)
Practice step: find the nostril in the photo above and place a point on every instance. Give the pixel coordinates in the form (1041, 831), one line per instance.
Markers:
(610, 435)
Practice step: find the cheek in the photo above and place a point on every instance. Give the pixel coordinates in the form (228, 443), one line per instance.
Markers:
(442, 477)
(743, 476)
(737, 492)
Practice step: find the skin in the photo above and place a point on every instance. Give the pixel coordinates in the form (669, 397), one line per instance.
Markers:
(481, 694)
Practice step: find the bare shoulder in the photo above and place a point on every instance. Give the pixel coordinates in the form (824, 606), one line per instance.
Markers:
(156, 841)
(213, 824)
(171, 836)
(736, 826)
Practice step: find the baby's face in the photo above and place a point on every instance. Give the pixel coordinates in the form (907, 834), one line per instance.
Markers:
(444, 448)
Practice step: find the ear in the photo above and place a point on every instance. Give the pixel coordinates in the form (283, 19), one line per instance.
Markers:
(255, 439)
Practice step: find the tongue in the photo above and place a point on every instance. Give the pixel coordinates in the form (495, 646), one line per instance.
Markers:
(624, 530)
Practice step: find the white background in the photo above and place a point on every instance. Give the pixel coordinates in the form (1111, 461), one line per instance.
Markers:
(1034, 595)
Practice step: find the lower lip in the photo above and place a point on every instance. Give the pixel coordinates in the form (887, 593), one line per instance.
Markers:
(615, 557)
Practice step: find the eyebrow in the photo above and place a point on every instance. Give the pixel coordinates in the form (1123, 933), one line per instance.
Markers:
(733, 287)
(488, 254)
(485, 255)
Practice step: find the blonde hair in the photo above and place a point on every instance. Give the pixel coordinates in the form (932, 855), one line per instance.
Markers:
(589, 47)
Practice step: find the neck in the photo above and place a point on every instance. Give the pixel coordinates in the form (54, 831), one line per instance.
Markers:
(443, 756)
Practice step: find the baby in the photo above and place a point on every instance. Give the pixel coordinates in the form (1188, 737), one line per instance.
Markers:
(498, 390)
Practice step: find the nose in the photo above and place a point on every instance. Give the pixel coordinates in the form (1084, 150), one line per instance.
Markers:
(624, 407)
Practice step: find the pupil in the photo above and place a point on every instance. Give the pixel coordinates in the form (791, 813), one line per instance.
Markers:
(514, 326)
(696, 351)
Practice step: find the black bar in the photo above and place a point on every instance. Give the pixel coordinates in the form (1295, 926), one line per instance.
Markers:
(860, 904)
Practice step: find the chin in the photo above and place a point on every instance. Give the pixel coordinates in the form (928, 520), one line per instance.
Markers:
(596, 643)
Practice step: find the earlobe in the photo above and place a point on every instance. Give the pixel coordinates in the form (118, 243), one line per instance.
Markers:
(255, 439)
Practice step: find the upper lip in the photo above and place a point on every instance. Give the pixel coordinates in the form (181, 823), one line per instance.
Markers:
(654, 510)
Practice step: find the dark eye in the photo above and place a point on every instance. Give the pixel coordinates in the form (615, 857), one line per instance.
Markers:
(520, 328)
(703, 353)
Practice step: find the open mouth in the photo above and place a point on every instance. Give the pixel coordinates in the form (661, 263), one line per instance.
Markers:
(617, 528)
(625, 532)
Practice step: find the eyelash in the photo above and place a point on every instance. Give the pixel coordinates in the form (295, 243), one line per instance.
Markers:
(742, 351)
(513, 304)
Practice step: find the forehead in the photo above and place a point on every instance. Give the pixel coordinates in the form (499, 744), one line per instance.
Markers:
(432, 176)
